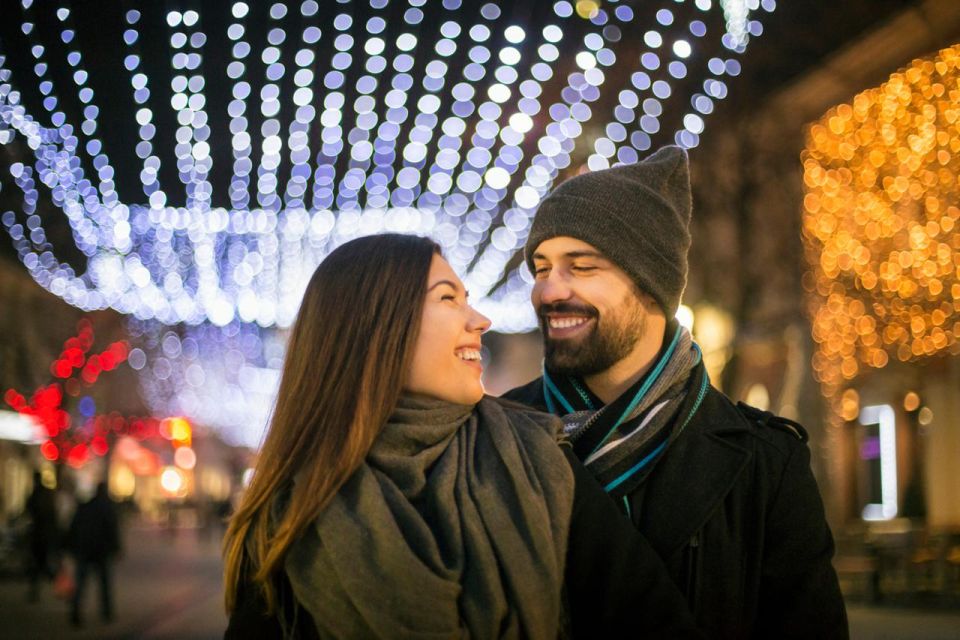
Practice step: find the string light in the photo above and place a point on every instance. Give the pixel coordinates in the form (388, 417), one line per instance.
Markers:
(471, 187)
(452, 123)
(506, 303)
(881, 225)
(225, 378)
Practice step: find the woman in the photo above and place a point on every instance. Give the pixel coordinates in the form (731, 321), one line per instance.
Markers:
(392, 499)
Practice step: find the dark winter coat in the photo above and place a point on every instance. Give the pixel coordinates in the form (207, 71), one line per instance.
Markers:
(615, 584)
(733, 509)
(41, 505)
(94, 532)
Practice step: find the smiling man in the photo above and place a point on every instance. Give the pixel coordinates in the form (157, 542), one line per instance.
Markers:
(723, 492)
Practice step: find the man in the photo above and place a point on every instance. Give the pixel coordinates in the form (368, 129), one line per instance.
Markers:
(43, 535)
(723, 492)
(94, 539)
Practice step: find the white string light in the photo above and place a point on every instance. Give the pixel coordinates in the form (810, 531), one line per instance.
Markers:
(460, 173)
(452, 122)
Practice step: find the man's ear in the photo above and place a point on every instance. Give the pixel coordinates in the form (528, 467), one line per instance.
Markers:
(650, 304)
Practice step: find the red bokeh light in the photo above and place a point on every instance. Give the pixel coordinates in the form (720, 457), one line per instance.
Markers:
(76, 369)
(14, 399)
(61, 369)
(119, 350)
(49, 451)
(99, 445)
(107, 361)
(78, 455)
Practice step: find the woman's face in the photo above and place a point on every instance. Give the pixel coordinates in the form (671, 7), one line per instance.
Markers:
(446, 359)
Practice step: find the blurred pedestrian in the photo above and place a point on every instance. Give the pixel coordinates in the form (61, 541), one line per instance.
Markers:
(94, 541)
(43, 535)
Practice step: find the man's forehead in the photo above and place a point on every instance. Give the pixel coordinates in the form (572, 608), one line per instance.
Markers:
(560, 246)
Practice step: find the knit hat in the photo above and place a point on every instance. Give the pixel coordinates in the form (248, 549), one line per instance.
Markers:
(638, 215)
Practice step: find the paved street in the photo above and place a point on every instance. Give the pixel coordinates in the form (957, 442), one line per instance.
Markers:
(168, 587)
(899, 624)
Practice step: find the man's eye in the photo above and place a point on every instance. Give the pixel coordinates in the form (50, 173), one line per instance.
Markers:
(540, 270)
(583, 268)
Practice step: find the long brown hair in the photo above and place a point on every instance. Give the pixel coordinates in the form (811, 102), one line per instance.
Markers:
(349, 352)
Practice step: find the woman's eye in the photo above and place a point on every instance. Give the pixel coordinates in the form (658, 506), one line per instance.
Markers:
(449, 296)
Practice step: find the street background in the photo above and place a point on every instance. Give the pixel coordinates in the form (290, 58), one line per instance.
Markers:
(170, 589)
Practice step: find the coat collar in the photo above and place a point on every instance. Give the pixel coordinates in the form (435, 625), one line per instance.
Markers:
(695, 475)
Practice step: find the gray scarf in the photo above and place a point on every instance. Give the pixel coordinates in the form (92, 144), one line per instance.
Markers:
(454, 527)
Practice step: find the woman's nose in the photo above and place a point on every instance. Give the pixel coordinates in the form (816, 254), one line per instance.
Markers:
(478, 321)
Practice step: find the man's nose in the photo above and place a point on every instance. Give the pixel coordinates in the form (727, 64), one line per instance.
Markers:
(553, 288)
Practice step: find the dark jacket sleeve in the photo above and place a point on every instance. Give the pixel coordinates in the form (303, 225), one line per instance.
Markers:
(799, 591)
(617, 586)
(249, 620)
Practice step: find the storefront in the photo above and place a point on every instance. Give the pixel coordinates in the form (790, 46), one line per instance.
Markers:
(19, 458)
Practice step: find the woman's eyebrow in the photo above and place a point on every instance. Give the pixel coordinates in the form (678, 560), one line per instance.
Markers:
(449, 283)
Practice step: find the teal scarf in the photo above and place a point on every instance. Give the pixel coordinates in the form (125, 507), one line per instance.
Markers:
(620, 443)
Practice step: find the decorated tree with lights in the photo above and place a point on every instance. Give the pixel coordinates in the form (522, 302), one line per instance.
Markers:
(66, 437)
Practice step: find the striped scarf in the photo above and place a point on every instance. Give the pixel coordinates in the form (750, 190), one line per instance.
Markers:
(621, 442)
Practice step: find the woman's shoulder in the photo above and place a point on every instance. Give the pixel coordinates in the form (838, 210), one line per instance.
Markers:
(515, 411)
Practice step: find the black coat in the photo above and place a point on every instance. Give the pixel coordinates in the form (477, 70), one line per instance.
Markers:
(41, 505)
(94, 532)
(733, 509)
(615, 584)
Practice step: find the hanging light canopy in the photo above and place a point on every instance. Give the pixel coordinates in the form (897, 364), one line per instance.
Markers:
(207, 157)
(190, 163)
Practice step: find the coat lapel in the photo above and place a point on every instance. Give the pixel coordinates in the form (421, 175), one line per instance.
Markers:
(692, 479)
(694, 475)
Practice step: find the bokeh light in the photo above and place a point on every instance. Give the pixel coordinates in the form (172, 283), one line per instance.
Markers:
(881, 224)
(313, 126)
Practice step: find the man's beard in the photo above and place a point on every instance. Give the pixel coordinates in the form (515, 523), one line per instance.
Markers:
(609, 341)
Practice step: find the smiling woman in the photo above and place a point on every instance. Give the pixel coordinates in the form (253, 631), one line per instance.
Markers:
(446, 358)
(391, 495)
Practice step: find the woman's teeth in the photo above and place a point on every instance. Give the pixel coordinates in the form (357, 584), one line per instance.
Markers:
(469, 354)
(566, 323)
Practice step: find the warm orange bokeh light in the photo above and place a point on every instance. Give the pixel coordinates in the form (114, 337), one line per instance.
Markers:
(882, 182)
(185, 458)
(178, 430)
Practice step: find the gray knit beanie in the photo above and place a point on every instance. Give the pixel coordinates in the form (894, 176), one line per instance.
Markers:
(638, 215)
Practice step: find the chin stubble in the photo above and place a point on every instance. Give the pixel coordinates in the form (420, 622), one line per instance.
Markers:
(607, 342)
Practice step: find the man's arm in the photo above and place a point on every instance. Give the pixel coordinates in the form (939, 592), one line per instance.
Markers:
(799, 591)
